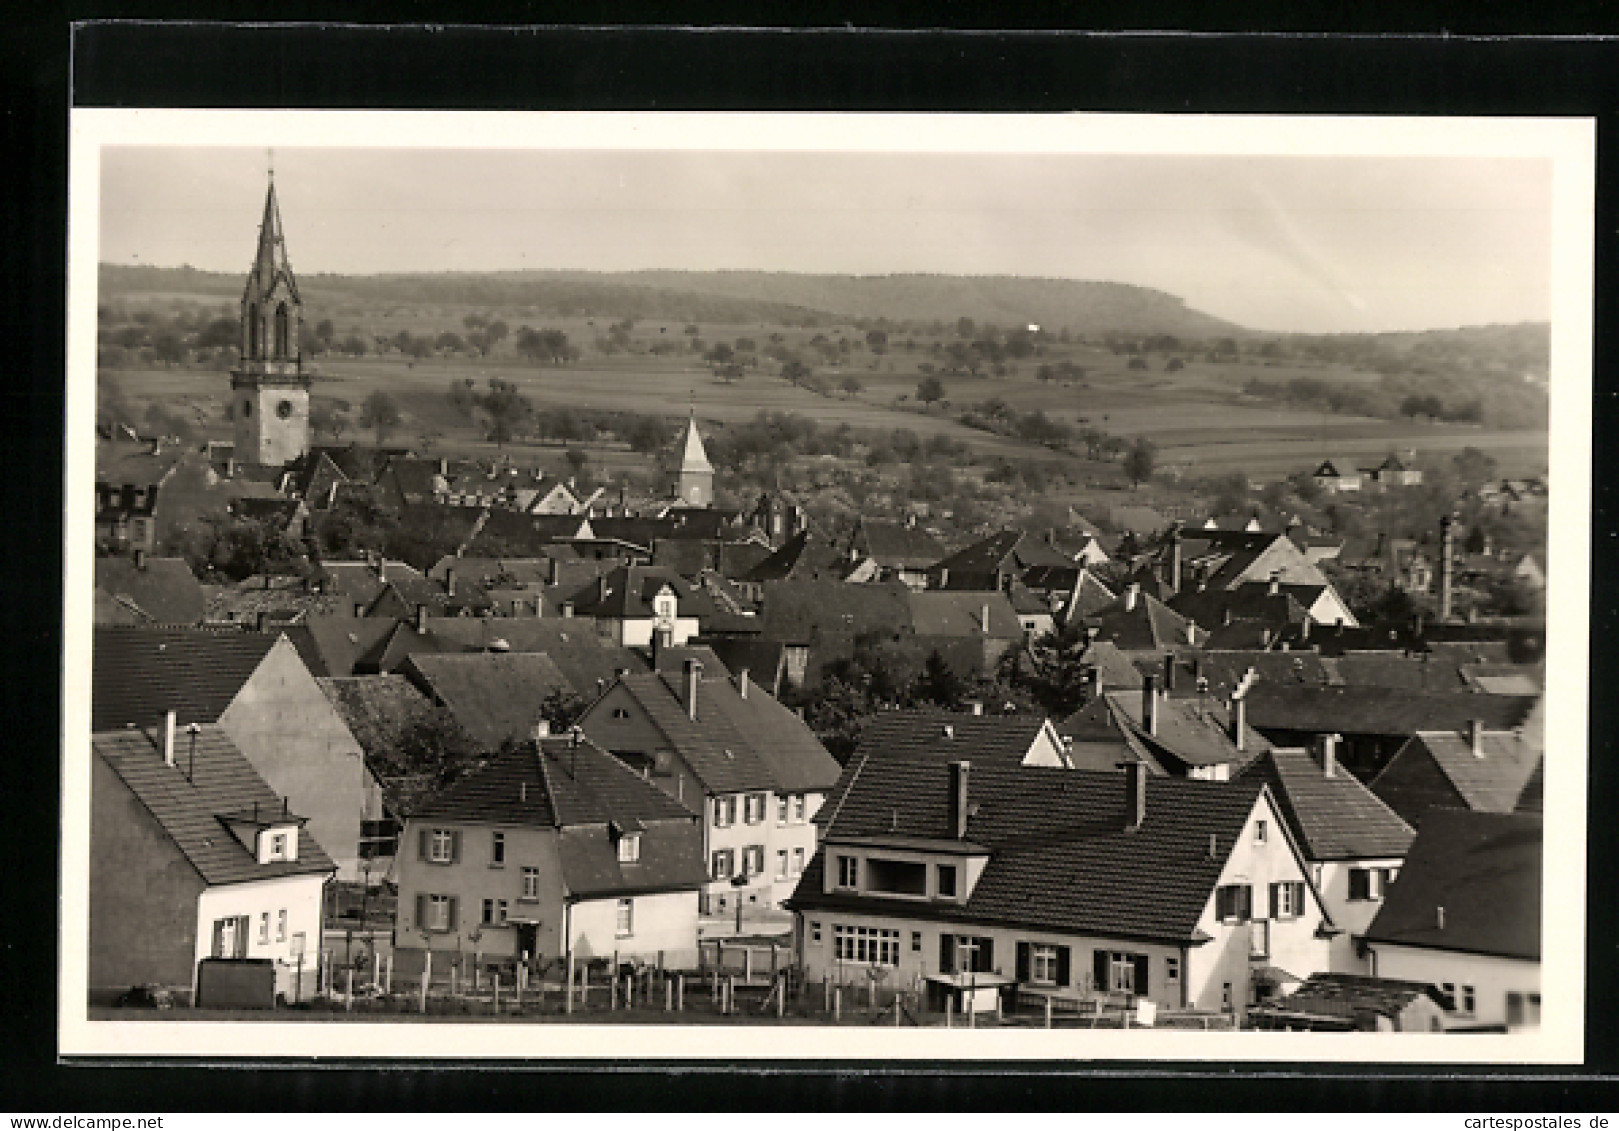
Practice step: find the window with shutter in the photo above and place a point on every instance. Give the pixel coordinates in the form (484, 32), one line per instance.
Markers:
(1025, 953)
(1360, 883)
(985, 956)
(947, 954)
(1141, 984)
(1064, 972)
(424, 843)
(1274, 902)
(453, 901)
(455, 847)
(1099, 971)
(421, 912)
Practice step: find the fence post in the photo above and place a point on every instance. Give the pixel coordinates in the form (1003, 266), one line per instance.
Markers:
(584, 986)
(496, 977)
(388, 976)
(298, 986)
(567, 1001)
(1048, 1012)
(781, 986)
(999, 1000)
(668, 996)
(629, 991)
(747, 964)
(826, 992)
(612, 989)
(949, 1009)
(455, 979)
(680, 993)
(837, 1002)
(427, 973)
(349, 997)
(376, 965)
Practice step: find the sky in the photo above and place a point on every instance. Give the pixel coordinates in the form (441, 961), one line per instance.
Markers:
(1317, 244)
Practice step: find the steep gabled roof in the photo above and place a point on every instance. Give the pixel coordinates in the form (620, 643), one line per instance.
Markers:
(1148, 626)
(804, 555)
(1490, 781)
(895, 545)
(164, 589)
(1484, 870)
(947, 736)
(937, 612)
(495, 696)
(221, 783)
(1194, 732)
(806, 611)
(1334, 818)
(587, 661)
(139, 673)
(1060, 858)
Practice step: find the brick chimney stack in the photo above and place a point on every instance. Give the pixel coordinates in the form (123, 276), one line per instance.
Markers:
(1149, 704)
(1135, 794)
(959, 772)
(694, 677)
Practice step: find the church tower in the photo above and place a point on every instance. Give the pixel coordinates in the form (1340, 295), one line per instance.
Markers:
(696, 487)
(269, 389)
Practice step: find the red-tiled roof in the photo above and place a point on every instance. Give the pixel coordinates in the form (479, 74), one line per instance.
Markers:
(1334, 818)
(210, 779)
(139, 673)
(1060, 858)
(1484, 870)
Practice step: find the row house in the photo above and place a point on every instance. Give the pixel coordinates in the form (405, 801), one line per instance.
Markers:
(1025, 881)
(552, 848)
(727, 750)
(1354, 843)
(193, 856)
(1464, 915)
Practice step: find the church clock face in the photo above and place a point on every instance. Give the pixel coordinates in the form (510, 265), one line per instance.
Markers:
(284, 409)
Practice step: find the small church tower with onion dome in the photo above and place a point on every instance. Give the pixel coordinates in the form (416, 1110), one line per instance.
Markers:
(696, 485)
(269, 388)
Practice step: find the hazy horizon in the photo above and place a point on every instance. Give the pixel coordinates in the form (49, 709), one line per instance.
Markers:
(1288, 244)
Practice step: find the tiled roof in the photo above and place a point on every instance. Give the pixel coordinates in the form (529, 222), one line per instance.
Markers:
(806, 612)
(1151, 626)
(1060, 858)
(1490, 781)
(1379, 710)
(377, 709)
(1193, 731)
(1352, 995)
(495, 696)
(221, 782)
(948, 736)
(341, 639)
(1484, 869)
(627, 592)
(804, 555)
(1213, 608)
(735, 744)
(1334, 818)
(588, 661)
(896, 545)
(673, 659)
(139, 673)
(961, 613)
(765, 661)
(163, 588)
(1532, 798)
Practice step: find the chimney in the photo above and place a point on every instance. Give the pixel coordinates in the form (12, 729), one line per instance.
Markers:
(1214, 847)
(443, 466)
(949, 730)
(140, 558)
(742, 683)
(1439, 917)
(1135, 794)
(977, 706)
(359, 608)
(944, 577)
(1149, 703)
(601, 587)
(421, 619)
(230, 467)
(542, 729)
(1475, 736)
(694, 674)
(1304, 628)
(1329, 754)
(382, 568)
(169, 719)
(522, 792)
(567, 609)
(959, 772)
(449, 582)
(1447, 566)
(553, 571)
(1131, 592)
(1169, 673)
(1175, 558)
(1275, 583)
(1239, 719)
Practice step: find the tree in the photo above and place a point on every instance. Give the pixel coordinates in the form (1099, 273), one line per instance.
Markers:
(877, 340)
(380, 413)
(929, 390)
(851, 385)
(221, 332)
(938, 684)
(507, 409)
(1140, 460)
(1474, 466)
(964, 327)
(795, 372)
(578, 459)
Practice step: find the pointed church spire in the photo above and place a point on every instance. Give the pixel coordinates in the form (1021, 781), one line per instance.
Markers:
(696, 486)
(270, 263)
(695, 458)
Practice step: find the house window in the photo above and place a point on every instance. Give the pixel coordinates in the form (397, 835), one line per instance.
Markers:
(278, 846)
(626, 918)
(440, 846)
(1449, 990)
(896, 877)
(783, 807)
(815, 931)
(1371, 883)
(916, 942)
(1225, 997)
(877, 946)
(497, 851)
(1043, 965)
(1172, 968)
(1287, 900)
(1469, 1001)
(848, 871)
(798, 808)
(1121, 972)
(947, 881)
(621, 712)
(531, 883)
(781, 864)
(494, 912)
(720, 864)
(724, 812)
(753, 860)
(629, 848)
(439, 913)
(230, 937)
(754, 813)
(281, 925)
(264, 928)
(1234, 903)
(798, 861)
(1261, 832)
(299, 941)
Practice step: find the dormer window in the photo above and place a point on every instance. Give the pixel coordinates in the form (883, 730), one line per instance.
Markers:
(629, 848)
(278, 843)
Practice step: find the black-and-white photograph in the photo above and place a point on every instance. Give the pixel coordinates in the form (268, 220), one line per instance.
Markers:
(1047, 586)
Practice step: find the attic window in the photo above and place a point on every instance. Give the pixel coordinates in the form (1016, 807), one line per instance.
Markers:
(629, 848)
